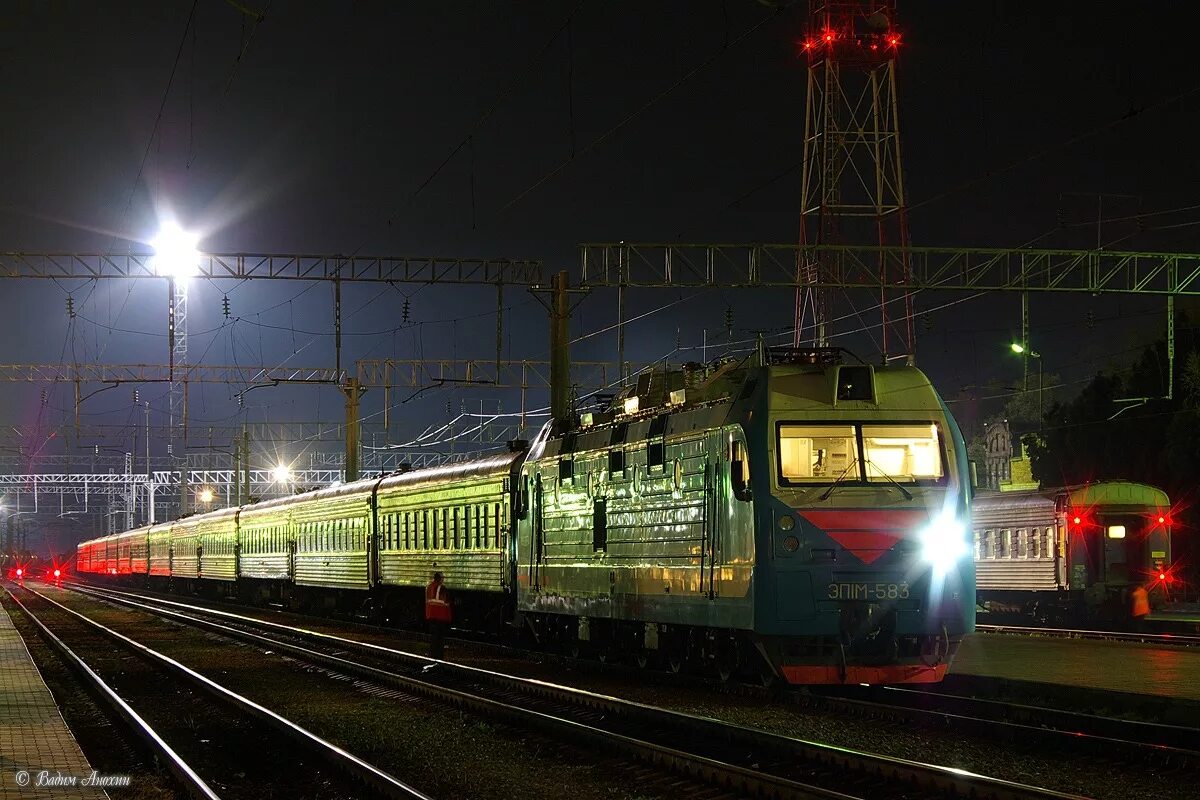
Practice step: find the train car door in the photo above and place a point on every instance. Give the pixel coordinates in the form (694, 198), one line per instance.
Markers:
(537, 545)
(711, 531)
(1118, 539)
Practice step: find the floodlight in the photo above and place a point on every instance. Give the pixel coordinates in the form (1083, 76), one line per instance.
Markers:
(175, 253)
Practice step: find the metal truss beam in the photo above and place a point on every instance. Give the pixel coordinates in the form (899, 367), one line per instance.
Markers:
(262, 480)
(667, 265)
(505, 375)
(163, 373)
(198, 434)
(371, 373)
(243, 266)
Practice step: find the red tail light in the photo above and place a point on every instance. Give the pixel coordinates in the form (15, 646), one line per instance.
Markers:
(57, 573)
(20, 572)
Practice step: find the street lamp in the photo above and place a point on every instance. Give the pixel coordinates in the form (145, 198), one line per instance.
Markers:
(206, 495)
(281, 473)
(1023, 350)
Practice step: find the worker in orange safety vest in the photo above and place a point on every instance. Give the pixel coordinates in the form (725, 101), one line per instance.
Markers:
(438, 613)
(1140, 600)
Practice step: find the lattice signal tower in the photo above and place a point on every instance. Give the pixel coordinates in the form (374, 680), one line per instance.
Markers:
(852, 185)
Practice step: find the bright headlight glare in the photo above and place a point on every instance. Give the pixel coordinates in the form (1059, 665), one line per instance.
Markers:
(943, 542)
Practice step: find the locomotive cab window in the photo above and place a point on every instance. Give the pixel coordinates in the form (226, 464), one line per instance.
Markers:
(904, 453)
(818, 453)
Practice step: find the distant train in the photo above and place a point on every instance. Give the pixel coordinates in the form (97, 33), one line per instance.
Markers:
(1071, 553)
(794, 518)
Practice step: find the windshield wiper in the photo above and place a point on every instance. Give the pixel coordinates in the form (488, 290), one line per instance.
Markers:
(907, 494)
(825, 495)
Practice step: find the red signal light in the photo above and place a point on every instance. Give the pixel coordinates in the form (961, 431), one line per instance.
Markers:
(1162, 576)
(20, 572)
(1078, 520)
(57, 573)
(893, 40)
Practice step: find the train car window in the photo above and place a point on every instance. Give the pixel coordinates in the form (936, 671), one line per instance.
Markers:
(616, 462)
(979, 544)
(656, 443)
(454, 528)
(600, 524)
(425, 530)
(854, 383)
(445, 531)
(1002, 544)
(1022, 544)
(1035, 543)
(1116, 531)
(818, 453)
(902, 453)
(500, 533)
(618, 434)
(566, 469)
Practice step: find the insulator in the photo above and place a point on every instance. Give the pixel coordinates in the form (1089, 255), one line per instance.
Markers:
(70, 307)
(927, 321)
(404, 316)
(729, 318)
(225, 306)
(43, 397)
(136, 397)
(1091, 319)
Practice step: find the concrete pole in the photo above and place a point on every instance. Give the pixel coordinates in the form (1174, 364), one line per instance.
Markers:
(560, 347)
(353, 391)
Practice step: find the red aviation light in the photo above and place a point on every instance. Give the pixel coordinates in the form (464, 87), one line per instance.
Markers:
(827, 37)
(893, 40)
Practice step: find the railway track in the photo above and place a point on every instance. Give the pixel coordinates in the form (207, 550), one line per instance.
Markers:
(247, 729)
(737, 760)
(1126, 741)
(1170, 639)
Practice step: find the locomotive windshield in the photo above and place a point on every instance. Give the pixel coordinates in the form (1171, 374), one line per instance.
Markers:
(902, 453)
(863, 453)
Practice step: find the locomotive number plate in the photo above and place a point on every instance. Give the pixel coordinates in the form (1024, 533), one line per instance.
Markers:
(868, 591)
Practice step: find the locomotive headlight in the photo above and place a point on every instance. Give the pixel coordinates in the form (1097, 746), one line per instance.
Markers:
(944, 542)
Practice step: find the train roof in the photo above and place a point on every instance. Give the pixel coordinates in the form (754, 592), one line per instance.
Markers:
(1118, 493)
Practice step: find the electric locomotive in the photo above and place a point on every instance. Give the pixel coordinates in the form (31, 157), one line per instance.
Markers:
(801, 518)
(1071, 553)
(794, 518)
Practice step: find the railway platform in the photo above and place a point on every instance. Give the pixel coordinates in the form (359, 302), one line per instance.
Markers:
(34, 738)
(1162, 674)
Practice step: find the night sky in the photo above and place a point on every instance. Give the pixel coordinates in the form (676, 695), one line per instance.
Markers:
(510, 129)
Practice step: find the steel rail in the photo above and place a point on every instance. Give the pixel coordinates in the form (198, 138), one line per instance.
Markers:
(373, 776)
(1105, 735)
(1129, 730)
(1174, 639)
(192, 783)
(938, 780)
